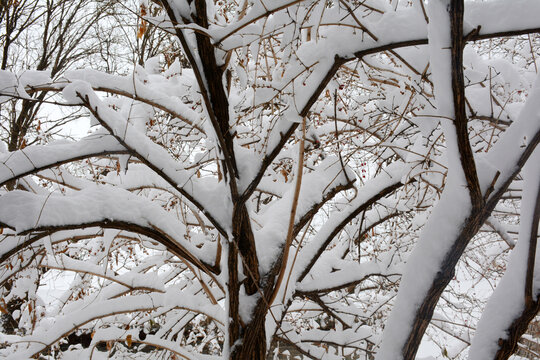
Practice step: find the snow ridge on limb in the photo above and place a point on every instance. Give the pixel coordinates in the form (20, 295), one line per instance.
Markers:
(514, 302)
(82, 313)
(26, 212)
(32, 159)
(377, 188)
(116, 334)
(392, 33)
(438, 249)
(201, 192)
(161, 95)
(454, 208)
(318, 187)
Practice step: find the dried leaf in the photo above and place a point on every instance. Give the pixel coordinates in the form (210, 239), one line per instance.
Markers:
(128, 340)
(144, 24)
(3, 308)
(141, 30)
(285, 175)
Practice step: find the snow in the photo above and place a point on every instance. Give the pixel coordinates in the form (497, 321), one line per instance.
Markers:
(80, 314)
(315, 185)
(392, 175)
(124, 131)
(450, 213)
(23, 211)
(23, 162)
(505, 154)
(508, 299)
(202, 192)
(163, 91)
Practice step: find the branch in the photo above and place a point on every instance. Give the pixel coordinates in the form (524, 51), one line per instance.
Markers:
(515, 302)
(373, 191)
(32, 159)
(25, 213)
(274, 152)
(468, 164)
(155, 158)
(209, 79)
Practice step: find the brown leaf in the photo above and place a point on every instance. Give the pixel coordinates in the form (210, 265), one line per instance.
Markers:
(284, 173)
(143, 25)
(141, 30)
(128, 340)
(3, 308)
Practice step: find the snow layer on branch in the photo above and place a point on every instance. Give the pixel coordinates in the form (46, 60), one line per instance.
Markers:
(344, 337)
(393, 174)
(315, 185)
(23, 162)
(258, 10)
(55, 329)
(115, 334)
(15, 85)
(204, 192)
(164, 93)
(408, 24)
(335, 273)
(508, 299)
(24, 211)
(130, 279)
(523, 14)
(510, 147)
(447, 218)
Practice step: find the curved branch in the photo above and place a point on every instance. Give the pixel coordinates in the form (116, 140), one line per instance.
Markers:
(375, 190)
(168, 174)
(69, 323)
(32, 159)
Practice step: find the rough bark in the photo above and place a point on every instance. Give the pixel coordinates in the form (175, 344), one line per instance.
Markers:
(531, 307)
(481, 206)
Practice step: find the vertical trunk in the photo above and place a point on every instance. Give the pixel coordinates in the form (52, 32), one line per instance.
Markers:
(248, 341)
(253, 346)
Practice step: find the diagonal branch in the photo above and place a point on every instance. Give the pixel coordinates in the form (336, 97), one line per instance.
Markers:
(374, 194)
(209, 79)
(285, 136)
(164, 172)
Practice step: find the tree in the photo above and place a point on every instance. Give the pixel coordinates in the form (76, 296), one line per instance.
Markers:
(39, 35)
(300, 173)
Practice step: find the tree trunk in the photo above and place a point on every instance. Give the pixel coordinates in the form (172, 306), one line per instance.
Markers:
(253, 344)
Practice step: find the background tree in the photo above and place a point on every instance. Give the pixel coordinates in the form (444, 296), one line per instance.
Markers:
(300, 173)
